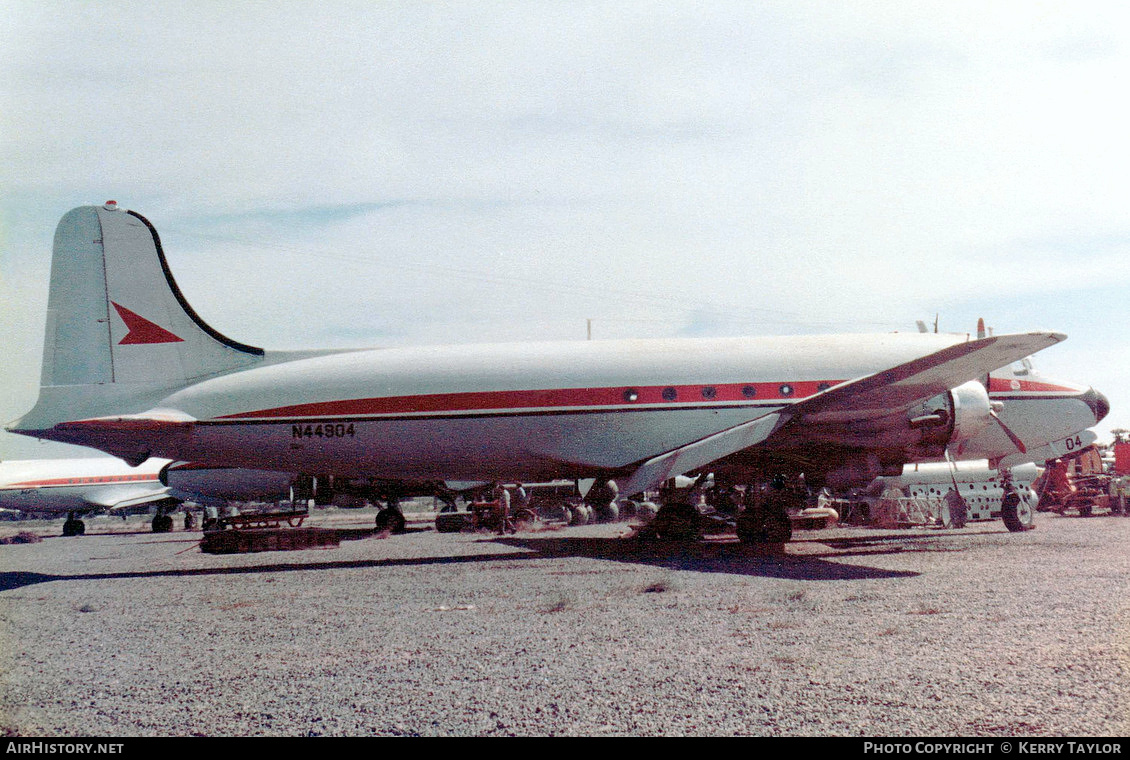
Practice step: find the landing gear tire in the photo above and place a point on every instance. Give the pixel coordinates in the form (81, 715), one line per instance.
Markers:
(750, 527)
(678, 522)
(580, 514)
(162, 523)
(524, 518)
(74, 527)
(757, 527)
(778, 528)
(1018, 517)
(391, 520)
(450, 522)
(606, 513)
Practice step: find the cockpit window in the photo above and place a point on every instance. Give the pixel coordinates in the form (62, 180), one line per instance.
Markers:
(1022, 367)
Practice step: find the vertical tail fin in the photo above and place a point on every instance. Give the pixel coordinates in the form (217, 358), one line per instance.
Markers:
(118, 326)
(115, 314)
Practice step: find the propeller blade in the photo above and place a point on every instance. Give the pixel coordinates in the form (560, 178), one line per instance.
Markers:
(1019, 444)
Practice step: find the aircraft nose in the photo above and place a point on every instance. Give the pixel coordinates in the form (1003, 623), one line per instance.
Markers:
(1099, 404)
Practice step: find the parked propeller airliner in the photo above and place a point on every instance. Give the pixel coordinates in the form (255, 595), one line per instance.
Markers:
(131, 369)
(77, 487)
(87, 485)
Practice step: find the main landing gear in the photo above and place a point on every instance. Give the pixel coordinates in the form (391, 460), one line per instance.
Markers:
(162, 521)
(765, 518)
(758, 513)
(391, 519)
(73, 526)
(1016, 512)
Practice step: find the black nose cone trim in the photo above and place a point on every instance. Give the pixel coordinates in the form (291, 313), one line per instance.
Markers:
(1098, 403)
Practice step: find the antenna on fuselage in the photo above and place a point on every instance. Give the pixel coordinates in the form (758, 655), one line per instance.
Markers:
(922, 325)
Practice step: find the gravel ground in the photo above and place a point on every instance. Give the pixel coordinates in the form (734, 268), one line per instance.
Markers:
(579, 631)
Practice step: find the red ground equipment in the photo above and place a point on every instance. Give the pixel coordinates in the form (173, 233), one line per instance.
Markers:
(1076, 485)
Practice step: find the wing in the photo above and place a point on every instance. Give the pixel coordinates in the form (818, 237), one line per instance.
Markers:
(900, 387)
(873, 396)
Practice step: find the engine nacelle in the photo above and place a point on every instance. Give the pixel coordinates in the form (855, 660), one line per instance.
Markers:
(205, 484)
(972, 412)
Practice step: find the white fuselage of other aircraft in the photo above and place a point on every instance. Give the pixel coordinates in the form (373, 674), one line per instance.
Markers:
(60, 486)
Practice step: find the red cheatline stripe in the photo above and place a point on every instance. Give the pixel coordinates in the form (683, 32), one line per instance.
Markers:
(549, 398)
(1004, 385)
(82, 481)
(126, 423)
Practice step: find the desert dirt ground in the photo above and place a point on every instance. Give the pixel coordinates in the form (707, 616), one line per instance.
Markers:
(569, 631)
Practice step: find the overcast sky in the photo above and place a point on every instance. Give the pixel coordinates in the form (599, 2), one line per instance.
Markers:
(354, 174)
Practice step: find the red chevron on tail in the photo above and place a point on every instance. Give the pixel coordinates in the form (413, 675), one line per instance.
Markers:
(141, 330)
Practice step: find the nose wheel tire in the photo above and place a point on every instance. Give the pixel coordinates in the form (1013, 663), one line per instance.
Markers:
(1018, 517)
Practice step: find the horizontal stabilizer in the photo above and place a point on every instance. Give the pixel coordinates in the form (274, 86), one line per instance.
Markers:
(129, 437)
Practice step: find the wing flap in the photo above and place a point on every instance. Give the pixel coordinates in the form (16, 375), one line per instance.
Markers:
(695, 455)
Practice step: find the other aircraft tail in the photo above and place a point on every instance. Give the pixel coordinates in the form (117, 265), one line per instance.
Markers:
(119, 332)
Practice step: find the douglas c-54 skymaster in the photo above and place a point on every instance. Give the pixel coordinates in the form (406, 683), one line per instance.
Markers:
(131, 369)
